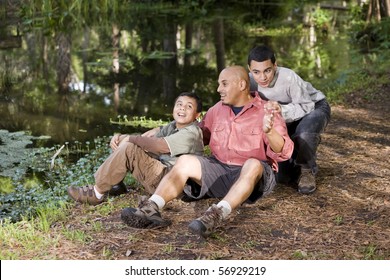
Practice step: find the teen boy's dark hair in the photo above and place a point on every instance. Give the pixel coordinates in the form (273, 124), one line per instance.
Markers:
(260, 54)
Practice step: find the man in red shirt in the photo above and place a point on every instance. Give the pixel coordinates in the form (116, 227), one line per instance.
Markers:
(246, 141)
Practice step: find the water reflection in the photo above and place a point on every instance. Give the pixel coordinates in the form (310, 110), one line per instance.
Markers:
(66, 78)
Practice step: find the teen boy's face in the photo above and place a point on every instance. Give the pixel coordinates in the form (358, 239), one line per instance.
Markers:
(185, 111)
(263, 72)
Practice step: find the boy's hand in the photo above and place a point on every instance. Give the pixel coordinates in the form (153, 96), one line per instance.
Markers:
(273, 106)
(115, 140)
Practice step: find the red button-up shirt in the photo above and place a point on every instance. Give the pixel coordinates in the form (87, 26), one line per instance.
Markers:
(235, 138)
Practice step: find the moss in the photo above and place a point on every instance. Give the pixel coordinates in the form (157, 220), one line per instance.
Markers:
(6, 185)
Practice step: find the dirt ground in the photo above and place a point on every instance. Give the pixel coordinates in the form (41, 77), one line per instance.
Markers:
(346, 218)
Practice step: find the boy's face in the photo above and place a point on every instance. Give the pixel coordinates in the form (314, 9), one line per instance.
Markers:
(263, 72)
(185, 111)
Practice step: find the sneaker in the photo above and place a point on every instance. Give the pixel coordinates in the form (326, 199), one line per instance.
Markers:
(306, 182)
(146, 215)
(85, 194)
(206, 224)
(118, 189)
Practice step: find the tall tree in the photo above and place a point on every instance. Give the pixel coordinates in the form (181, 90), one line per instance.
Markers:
(378, 9)
(219, 42)
(63, 62)
(169, 64)
(85, 44)
(386, 8)
(115, 63)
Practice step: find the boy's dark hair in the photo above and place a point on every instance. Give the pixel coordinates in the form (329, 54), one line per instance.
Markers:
(199, 105)
(260, 54)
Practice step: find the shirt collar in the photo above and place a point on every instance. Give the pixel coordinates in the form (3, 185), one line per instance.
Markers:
(175, 127)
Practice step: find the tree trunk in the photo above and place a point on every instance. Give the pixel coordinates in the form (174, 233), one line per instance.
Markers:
(115, 63)
(85, 58)
(369, 11)
(219, 43)
(169, 64)
(63, 62)
(377, 11)
(188, 44)
(386, 8)
(45, 62)
(374, 11)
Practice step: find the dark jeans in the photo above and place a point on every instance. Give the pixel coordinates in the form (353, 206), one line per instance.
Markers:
(306, 135)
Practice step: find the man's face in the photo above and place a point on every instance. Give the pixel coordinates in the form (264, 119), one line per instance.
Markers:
(229, 88)
(185, 111)
(263, 72)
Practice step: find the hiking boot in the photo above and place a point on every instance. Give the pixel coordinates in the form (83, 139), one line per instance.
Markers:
(84, 194)
(206, 224)
(146, 215)
(306, 182)
(118, 189)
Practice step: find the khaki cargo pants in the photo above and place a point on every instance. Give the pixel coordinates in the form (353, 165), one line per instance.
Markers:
(130, 158)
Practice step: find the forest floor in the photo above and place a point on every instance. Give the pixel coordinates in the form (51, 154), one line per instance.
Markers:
(346, 218)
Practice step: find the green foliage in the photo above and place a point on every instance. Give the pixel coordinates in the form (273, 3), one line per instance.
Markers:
(168, 248)
(77, 235)
(13, 151)
(339, 220)
(138, 121)
(37, 99)
(321, 18)
(371, 252)
(299, 255)
(67, 14)
(367, 72)
(371, 37)
(107, 252)
(30, 196)
(29, 234)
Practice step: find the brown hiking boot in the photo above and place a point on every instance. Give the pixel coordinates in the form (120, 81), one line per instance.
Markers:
(205, 225)
(306, 182)
(146, 215)
(84, 194)
(118, 189)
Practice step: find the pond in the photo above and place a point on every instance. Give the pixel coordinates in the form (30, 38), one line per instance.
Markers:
(67, 73)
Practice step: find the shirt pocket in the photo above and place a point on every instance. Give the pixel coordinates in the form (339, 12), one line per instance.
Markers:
(249, 140)
(218, 135)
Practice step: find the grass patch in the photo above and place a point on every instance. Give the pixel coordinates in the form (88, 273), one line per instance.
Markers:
(371, 252)
(299, 255)
(32, 236)
(25, 238)
(77, 235)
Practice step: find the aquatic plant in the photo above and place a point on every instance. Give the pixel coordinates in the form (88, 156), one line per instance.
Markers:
(36, 180)
(14, 148)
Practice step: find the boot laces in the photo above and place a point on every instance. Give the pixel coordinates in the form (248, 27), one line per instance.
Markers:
(212, 216)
